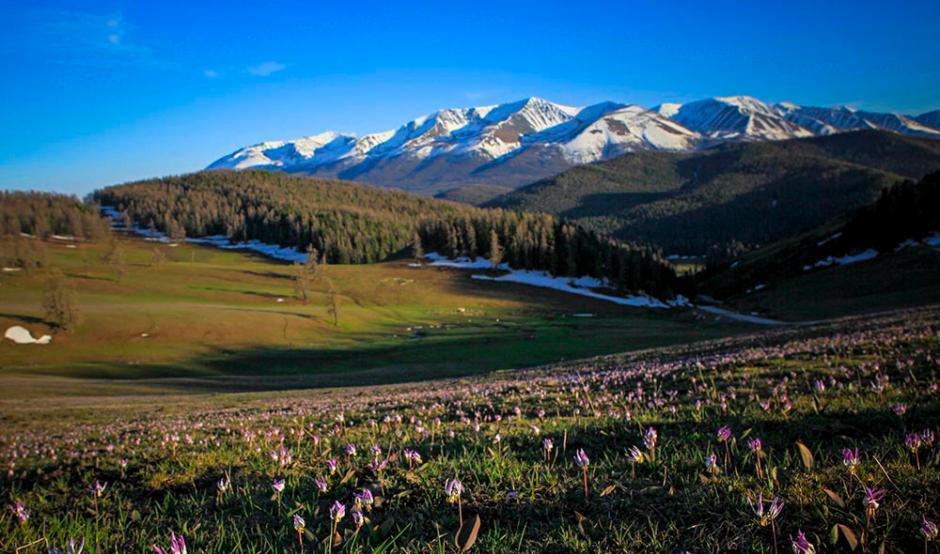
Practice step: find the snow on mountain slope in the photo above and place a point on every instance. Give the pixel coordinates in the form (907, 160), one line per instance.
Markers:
(826, 121)
(282, 154)
(737, 117)
(606, 130)
(930, 119)
(518, 142)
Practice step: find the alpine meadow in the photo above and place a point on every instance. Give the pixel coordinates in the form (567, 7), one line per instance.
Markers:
(652, 283)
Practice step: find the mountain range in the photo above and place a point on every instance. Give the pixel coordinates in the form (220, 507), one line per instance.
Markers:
(513, 144)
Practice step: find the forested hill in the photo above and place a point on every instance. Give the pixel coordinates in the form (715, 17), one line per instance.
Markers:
(750, 193)
(43, 214)
(351, 223)
(903, 214)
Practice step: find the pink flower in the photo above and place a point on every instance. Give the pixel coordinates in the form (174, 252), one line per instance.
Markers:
(724, 433)
(177, 545)
(337, 511)
(20, 512)
(453, 488)
(581, 458)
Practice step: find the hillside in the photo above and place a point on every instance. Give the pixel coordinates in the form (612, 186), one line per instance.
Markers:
(350, 223)
(474, 195)
(752, 192)
(171, 316)
(885, 255)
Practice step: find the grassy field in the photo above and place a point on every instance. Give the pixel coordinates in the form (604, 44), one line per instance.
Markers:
(846, 414)
(214, 320)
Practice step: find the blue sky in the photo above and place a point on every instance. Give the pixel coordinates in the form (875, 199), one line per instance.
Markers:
(103, 92)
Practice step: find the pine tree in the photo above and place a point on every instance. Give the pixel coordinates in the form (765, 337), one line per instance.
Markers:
(496, 251)
(416, 251)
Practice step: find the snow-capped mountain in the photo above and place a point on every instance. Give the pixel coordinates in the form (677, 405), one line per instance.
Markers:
(516, 143)
(734, 117)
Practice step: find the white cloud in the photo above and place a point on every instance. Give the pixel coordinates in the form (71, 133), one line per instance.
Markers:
(266, 68)
(210, 73)
(77, 34)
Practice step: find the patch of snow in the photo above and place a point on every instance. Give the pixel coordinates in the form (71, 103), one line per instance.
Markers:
(12, 269)
(437, 260)
(679, 301)
(829, 239)
(64, 237)
(740, 317)
(20, 335)
(286, 253)
(869, 254)
(571, 286)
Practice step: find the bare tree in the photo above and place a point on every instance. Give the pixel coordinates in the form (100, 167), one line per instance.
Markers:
(333, 306)
(59, 302)
(115, 258)
(159, 257)
(305, 275)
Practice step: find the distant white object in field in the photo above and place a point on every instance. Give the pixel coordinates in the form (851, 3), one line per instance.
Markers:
(21, 335)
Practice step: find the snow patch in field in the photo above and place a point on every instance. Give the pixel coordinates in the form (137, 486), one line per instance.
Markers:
(579, 286)
(739, 317)
(20, 335)
(286, 253)
(869, 254)
(12, 269)
(437, 260)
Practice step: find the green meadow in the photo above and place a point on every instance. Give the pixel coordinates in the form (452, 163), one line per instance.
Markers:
(190, 317)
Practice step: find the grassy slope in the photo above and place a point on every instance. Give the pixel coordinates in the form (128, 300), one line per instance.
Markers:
(753, 192)
(210, 319)
(665, 504)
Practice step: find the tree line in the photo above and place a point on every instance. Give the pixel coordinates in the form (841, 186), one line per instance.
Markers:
(351, 223)
(43, 214)
(906, 210)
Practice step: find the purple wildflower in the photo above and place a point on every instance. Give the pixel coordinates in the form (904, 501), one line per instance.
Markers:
(177, 545)
(581, 458)
(724, 433)
(337, 511)
(801, 545)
